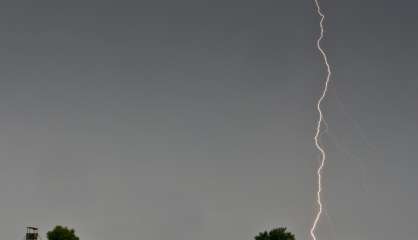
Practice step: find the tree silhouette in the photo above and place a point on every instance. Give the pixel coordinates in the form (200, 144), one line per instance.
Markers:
(275, 234)
(62, 233)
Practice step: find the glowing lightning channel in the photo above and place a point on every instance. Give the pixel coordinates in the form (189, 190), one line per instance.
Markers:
(320, 121)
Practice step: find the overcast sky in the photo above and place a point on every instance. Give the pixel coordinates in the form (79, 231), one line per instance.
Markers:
(193, 120)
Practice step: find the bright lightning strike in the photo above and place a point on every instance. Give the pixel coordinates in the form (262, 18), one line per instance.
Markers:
(321, 121)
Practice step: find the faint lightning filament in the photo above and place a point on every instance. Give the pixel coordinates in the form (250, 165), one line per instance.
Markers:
(320, 122)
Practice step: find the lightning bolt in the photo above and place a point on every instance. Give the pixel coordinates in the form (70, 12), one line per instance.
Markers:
(320, 122)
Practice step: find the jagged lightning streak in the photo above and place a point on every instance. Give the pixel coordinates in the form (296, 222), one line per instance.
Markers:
(320, 120)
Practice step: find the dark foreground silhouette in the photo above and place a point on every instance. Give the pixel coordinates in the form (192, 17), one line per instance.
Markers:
(62, 233)
(275, 234)
(65, 233)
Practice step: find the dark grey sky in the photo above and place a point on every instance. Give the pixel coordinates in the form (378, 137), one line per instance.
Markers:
(194, 120)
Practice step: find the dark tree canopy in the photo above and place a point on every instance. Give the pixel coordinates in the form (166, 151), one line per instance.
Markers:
(62, 233)
(275, 234)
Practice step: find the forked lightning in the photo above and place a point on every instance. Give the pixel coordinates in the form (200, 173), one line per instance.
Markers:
(320, 122)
